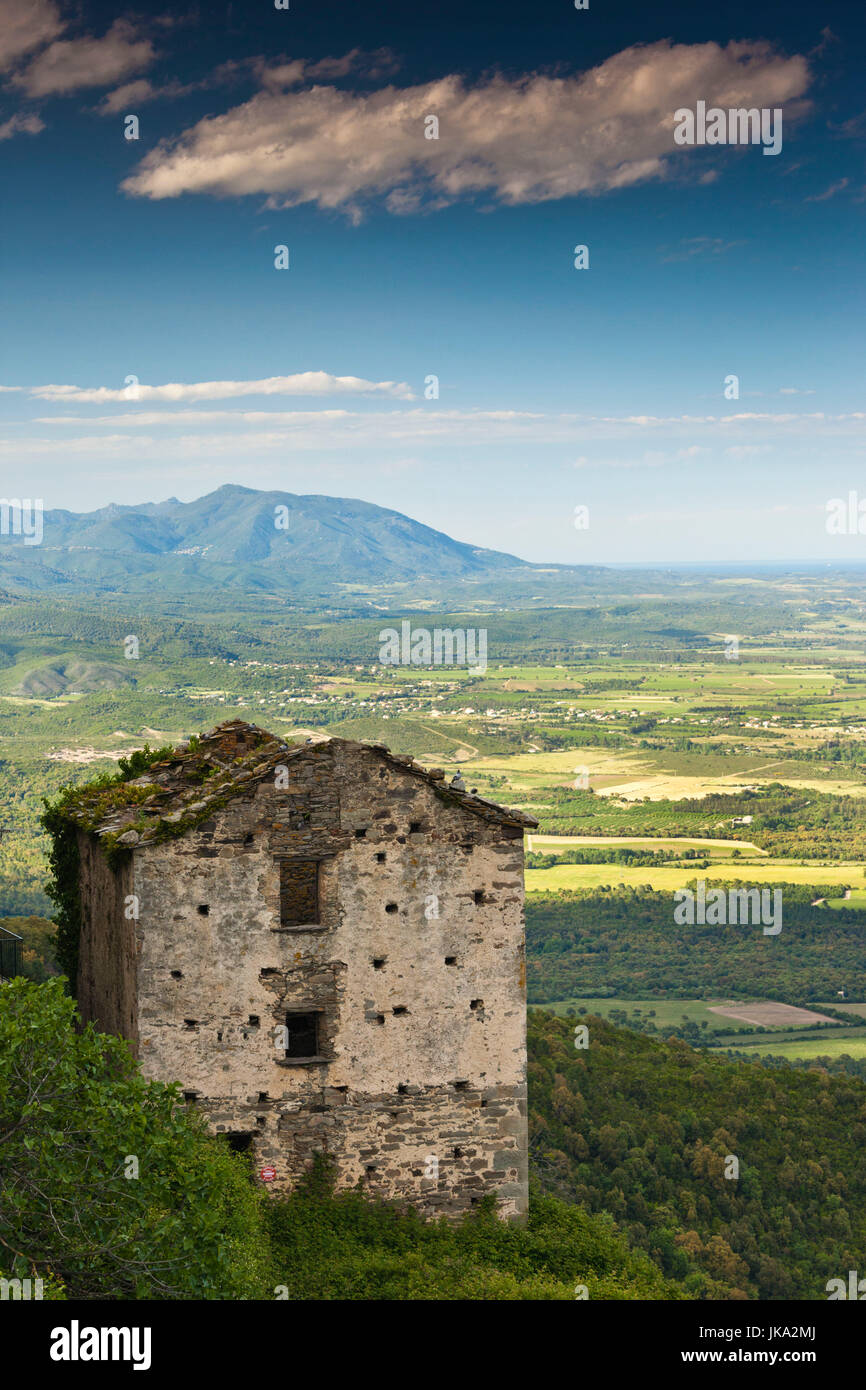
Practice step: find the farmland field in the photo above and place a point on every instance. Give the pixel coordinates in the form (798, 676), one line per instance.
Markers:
(667, 878)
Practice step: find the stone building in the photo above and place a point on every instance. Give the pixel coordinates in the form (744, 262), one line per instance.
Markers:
(323, 944)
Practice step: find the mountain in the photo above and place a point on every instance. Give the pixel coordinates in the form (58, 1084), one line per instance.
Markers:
(239, 538)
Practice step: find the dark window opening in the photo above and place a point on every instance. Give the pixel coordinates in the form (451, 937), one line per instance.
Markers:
(191, 1022)
(268, 971)
(254, 1021)
(239, 1143)
(190, 1097)
(370, 1168)
(219, 1035)
(263, 1096)
(361, 833)
(177, 974)
(415, 827)
(380, 858)
(299, 892)
(303, 1035)
(400, 1009)
(380, 1018)
(248, 839)
(203, 909)
(478, 895)
(458, 1152)
(461, 1085)
(402, 1090)
(391, 907)
(378, 962)
(261, 1121)
(450, 960)
(476, 1004)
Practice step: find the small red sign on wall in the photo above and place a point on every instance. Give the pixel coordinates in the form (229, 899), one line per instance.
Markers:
(268, 1174)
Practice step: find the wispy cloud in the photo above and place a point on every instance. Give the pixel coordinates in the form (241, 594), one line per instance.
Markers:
(527, 140)
(702, 246)
(838, 187)
(25, 27)
(21, 124)
(68, 65)
(672, 440)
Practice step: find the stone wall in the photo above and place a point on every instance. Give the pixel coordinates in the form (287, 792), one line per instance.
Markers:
(415, 968)
(106, 986)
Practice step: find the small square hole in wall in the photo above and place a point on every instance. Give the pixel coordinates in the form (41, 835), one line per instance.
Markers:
(415, 827)
(248, 839)
(380, 1018)
(458, 1152)
(263, 1096)
(268, 971)
(378, 962)
(399, 1010)
(261, 1121)
(219, 1035)
(191, 1022)
(370, 1168)
(203, 909)
(361, 834)
(177, 974)
(402, 1090)
(476, 1003)
(461, 1085)
(478, 895)
(380, 857)
(391, 907)
(190, 1097)
(450, 960)
(254, 1020)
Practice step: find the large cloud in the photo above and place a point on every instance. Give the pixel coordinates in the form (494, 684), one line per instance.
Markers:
(300, 384)
(522, 141)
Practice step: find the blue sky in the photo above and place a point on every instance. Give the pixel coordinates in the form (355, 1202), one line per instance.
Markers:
(558, 387)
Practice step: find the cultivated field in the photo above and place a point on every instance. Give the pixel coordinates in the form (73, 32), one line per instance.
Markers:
(668, 877)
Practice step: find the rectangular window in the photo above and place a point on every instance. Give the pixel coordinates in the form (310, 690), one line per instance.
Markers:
(303, 1035)
(299, 892)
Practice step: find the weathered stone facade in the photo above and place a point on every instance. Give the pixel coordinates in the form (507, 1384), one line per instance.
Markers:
(387, 1029)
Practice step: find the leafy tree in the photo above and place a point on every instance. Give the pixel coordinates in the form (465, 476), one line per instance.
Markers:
(109, 1185)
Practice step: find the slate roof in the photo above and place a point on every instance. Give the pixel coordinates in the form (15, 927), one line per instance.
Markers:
(186, 785)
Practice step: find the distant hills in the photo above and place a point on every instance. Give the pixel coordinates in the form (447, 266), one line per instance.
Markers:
(259, 542)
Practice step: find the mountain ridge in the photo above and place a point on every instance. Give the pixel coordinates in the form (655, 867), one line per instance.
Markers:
(235, 536)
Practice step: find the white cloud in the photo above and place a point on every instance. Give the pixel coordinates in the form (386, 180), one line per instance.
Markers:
(127, 97)
(526, 140)
(70, 64)
(20, 124)
(26, 26)
(679, 438)
(300, 384)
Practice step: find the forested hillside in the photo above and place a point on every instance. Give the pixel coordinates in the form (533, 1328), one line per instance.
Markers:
(643, 1129)
(625, 941)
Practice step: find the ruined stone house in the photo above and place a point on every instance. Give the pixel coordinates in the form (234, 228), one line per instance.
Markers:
(323, 944)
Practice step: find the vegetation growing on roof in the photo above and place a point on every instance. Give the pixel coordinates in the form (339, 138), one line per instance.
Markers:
(87, 808)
